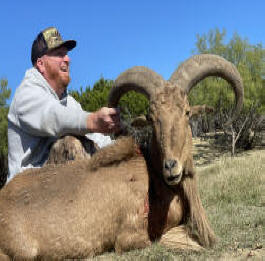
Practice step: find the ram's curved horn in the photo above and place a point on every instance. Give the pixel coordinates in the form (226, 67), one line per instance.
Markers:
(198, 67)
(138, 78)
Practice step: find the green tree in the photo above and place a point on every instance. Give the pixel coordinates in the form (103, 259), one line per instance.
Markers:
(250, 62)
(4, 95)
(4, 92)
(95, 98)
(131, 104)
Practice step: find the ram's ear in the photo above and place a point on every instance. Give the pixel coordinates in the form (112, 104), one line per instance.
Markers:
(140, 122)
(200, 109)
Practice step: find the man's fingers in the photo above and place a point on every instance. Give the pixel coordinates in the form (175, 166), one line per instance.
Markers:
(114, 111)
(105, 120)
(115, 119)
(114, 115)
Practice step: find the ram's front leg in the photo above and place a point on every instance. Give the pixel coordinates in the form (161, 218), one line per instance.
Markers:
(179, 238)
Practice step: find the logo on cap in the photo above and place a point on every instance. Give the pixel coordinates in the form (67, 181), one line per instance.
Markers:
(52, 37)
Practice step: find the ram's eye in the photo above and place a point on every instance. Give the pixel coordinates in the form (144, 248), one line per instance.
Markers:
(188, 113)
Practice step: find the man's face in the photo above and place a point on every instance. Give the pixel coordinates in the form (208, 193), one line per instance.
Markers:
(56, 69)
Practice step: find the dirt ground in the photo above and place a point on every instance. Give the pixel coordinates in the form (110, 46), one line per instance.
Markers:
(245, 254)
(205, 152)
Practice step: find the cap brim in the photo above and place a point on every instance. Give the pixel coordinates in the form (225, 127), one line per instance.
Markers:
(70, 44)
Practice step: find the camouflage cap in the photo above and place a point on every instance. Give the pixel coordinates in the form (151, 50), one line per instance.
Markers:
(48, 40)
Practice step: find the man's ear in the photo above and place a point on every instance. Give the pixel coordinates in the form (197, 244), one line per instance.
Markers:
(200, 109)
(40, 65)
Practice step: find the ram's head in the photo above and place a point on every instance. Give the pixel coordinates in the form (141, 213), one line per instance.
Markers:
(170, 110)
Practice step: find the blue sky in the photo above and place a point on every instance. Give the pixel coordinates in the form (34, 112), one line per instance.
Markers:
(114, 35)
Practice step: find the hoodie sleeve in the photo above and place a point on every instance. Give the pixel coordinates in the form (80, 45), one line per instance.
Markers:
(39, 113)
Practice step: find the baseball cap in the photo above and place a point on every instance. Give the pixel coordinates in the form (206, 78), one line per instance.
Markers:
(48, 40)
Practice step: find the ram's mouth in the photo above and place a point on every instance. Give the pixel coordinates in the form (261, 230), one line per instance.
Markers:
(173, 176)
(173, 179)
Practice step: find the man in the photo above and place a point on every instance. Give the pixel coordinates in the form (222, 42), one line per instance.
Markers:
(42, 111)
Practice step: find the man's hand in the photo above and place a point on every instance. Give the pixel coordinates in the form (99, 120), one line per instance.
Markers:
(105, 120)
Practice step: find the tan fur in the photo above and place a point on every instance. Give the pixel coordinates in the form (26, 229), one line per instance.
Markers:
(66, 211)
(170, 107)
(71, 148)
(124, 148)
(197, 216)
(179, 238)
(116, 200)
(86, 207)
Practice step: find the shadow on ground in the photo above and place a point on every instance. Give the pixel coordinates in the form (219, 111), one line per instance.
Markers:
(205, 152)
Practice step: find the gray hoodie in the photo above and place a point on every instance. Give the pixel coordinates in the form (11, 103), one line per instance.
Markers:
(37, 118)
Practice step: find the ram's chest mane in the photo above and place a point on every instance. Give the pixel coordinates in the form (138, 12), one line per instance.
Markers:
(156, 211)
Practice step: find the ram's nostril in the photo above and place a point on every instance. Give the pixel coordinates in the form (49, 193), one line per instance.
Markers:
(169, 164)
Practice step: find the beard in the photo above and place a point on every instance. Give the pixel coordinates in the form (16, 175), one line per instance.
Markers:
(60, 78)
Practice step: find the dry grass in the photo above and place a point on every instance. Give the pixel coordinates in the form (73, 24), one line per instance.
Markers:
(233, 193)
